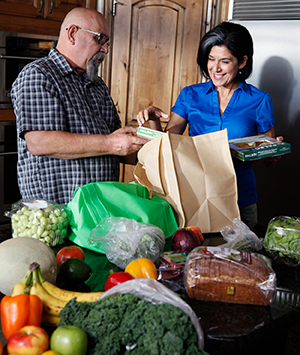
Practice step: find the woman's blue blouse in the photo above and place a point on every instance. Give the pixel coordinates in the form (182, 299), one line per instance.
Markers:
(249, 112)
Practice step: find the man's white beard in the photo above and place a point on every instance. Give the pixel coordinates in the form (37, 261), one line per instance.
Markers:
(92, 69)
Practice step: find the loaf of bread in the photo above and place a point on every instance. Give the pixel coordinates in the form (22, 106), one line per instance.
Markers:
(228, 275)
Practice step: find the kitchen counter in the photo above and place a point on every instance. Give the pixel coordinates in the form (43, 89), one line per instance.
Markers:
(241, 329)
(244, 329)
(235, 329)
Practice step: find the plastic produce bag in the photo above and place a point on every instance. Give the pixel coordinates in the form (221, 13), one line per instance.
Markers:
(240, 237)
(95, 201)
(124, 240)
(39, 219)
(155, 292)
(282, 238)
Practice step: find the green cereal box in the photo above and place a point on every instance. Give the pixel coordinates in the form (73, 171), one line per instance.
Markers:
(148, 133)
(257, 147)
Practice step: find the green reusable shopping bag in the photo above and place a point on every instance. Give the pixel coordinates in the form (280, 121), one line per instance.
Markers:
(95, 201)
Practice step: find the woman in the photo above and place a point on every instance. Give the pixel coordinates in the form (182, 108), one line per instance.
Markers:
(226, 101)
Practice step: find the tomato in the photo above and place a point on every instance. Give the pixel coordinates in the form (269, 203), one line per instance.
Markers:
(1, 348)
(68, 253)
(69, 340)
(117, 278)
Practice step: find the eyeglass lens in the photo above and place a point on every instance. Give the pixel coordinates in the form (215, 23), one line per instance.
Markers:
(102, 39)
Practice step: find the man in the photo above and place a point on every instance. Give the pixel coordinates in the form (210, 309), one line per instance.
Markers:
(69, 132)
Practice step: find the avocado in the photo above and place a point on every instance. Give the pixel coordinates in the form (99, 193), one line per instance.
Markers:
(75, 270)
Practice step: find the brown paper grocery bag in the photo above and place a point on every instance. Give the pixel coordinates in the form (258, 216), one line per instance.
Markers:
(195, 175)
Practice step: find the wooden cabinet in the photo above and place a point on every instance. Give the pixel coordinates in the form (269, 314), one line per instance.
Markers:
(153, 55)
(37, 16)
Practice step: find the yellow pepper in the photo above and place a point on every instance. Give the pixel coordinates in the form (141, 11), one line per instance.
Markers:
(142, 268)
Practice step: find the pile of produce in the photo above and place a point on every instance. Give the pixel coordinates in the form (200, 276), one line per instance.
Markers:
(121, 322)
(283, 237)
(125, 324)
(116, 324)
(53, 298)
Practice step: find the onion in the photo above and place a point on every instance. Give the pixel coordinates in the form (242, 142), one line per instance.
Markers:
(185, 240)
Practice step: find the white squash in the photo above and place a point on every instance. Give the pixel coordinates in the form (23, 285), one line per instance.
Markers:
(16, 255)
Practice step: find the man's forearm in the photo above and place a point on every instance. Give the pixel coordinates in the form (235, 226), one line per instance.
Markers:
(65, 145)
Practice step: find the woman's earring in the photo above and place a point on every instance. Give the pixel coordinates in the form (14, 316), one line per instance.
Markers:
(240, 72)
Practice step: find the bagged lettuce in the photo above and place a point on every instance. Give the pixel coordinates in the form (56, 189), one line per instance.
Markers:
(283, 237)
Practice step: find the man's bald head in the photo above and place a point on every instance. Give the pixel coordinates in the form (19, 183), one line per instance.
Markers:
(82, 17)
(76, 43)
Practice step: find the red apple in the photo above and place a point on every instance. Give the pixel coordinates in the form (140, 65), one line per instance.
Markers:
(184, 240)
(29, 340)
(197, 230)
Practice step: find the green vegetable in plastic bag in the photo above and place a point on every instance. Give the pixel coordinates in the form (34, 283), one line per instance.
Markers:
(283, 237)
(124, 240)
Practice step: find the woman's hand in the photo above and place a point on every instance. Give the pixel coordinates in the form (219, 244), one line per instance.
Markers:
(271, 160)
(150, 113)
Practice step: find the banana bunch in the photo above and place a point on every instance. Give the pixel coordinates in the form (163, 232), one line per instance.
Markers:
(54, 298)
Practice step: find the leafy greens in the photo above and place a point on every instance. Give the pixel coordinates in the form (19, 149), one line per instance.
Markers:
(283, 237)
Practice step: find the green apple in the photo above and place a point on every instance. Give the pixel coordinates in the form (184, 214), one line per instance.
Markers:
(69, 340)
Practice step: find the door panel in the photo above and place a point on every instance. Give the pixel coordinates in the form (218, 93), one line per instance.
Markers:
(155, 56)
(154, 52)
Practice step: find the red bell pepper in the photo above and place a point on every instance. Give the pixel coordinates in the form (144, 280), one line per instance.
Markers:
(18, 311)
(117, 278)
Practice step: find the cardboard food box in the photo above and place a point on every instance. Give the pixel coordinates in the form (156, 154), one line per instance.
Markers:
(148, 133)
(171, 265)
(257, 147)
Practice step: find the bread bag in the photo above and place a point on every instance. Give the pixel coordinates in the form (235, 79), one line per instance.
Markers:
(229, 275)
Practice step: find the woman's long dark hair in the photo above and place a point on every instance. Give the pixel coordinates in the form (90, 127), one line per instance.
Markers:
(236, 38)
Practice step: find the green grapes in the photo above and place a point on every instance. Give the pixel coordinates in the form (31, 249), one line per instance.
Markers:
(49, 224)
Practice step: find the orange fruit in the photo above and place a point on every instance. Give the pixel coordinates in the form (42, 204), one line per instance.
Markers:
(50, 352)
(197, 230)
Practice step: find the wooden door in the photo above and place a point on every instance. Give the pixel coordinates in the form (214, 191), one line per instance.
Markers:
(153, 56)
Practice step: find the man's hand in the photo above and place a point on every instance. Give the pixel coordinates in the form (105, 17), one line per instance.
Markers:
(123, 142)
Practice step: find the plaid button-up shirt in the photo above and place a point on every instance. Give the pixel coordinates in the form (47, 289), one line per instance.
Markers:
(49, 95)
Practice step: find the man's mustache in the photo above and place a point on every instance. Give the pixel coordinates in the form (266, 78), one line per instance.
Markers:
(93, 66)
(98, 58)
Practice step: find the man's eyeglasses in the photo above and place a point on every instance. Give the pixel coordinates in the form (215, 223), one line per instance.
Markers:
(101, 38)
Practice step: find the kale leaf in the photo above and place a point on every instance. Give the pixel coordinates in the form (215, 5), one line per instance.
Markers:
(125, 324)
